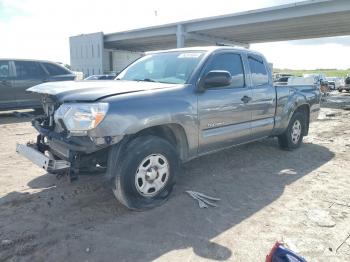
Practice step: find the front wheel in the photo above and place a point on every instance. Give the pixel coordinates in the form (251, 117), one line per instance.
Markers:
(145, 175)
(293, 136)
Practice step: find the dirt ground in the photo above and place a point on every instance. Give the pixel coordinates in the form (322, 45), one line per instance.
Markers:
(300, 197)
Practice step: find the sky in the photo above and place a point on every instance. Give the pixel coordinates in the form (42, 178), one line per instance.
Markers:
(40, 29)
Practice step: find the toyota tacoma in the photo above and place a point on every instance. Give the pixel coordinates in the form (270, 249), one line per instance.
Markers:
(166, 108)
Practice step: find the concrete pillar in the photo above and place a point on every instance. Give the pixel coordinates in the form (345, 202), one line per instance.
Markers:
(180, 36)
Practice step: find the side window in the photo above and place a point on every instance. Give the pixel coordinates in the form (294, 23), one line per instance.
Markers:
(4, 69)
(29, 70)
(229, 62)
(258, 70)
(55, 70)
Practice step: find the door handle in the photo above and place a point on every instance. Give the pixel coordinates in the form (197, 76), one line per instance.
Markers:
(246, 99)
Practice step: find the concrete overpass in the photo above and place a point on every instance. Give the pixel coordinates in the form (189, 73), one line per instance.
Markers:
(95, 53)
(302, 20)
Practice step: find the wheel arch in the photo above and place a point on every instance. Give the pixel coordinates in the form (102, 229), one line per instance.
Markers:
(173, 133)
(304, 109)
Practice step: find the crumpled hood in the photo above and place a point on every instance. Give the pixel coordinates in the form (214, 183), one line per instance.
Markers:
(93, 90)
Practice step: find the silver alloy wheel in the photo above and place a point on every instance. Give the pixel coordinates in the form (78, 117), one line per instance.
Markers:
(152, 175)
(296, 132)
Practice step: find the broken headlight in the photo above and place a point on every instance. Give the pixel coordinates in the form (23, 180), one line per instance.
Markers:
(78, 118)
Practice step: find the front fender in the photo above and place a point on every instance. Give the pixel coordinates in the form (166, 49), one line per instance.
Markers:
(132, 113)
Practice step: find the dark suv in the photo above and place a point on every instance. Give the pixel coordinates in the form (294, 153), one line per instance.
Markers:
(16, 75)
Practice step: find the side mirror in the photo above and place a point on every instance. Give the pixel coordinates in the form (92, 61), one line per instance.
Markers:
(215, 78)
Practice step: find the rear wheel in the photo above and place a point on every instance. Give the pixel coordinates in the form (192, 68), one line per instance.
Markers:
(293, 136)
(145, 175)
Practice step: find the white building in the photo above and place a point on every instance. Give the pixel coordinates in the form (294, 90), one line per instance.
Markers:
(89, 55)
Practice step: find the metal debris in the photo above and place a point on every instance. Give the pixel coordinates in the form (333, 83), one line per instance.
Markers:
(342, 243)
(203, 200)
(337, 203)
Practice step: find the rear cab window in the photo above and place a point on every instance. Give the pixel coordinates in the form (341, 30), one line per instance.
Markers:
(29, 70)
(55, 70)
(258, 70)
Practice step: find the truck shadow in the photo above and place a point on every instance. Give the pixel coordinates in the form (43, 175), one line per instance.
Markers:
(63, 219)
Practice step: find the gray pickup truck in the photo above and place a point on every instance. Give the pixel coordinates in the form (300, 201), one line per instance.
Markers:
(166, 108)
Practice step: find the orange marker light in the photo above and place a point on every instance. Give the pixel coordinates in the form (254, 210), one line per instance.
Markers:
(98, 118)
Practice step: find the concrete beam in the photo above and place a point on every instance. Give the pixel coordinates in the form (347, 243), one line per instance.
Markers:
(215, 40)
(276, 14)
(141, 33)
(307, 19)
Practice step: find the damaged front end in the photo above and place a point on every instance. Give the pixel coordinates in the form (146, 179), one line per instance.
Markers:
(61, 149)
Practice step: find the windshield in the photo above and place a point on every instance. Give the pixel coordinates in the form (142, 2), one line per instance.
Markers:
(172, 67)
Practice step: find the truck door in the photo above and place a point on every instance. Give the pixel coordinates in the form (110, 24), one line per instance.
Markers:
(263, 103)
(7, 94)
(28, 74)
(224, 118)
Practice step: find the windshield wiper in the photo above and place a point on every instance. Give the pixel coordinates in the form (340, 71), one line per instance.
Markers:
(145, 80)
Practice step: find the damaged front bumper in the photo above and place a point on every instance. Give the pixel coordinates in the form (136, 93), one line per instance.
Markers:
(58, 154)
(45, 162)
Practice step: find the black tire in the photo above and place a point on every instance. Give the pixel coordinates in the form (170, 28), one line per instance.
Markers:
(123, 170)
(340, 90)
(286, 141)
